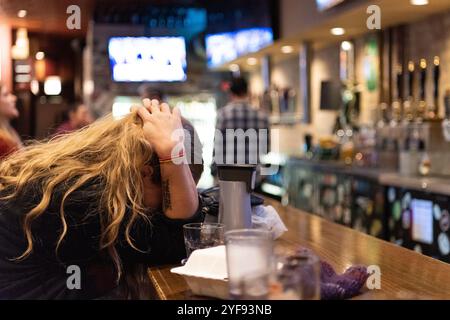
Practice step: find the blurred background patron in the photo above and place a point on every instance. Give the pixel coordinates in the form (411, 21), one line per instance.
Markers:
(9, 139)
(77, 117)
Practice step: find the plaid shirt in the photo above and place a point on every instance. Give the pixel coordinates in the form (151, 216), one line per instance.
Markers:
(255, 127)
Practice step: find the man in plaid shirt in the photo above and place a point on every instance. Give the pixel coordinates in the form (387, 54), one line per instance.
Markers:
(242, 132)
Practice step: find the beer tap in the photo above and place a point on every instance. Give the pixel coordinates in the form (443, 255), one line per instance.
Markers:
(421, 110)
(407, 104)
(397, 103)
(433, 112)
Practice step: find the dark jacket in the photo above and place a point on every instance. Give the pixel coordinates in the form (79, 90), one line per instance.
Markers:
(44, 274)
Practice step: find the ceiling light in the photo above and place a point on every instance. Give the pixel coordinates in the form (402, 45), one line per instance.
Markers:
(40, 55)
(346, 45)
(21, 49)
(22, 13)
(337, 31)
(52, 86)
(287, 49)
(234, 68)
(419, 2)
(252, 61)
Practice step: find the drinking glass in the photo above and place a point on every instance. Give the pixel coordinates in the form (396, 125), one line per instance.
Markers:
(249, 260)
(202, 235)
(296, 277)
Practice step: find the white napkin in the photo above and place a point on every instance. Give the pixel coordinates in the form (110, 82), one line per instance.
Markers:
(206, 263)
(266, 217)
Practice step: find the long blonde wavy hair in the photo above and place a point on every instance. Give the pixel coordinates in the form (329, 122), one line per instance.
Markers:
(114, 151)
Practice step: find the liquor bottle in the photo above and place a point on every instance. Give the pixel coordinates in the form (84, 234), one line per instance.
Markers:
(267, 102)
(447, 104)
(292, 101)
(283, 94)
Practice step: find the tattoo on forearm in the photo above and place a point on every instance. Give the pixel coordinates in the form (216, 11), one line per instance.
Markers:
(167, 203)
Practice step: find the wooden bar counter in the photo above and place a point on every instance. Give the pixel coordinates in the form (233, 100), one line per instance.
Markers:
(405, 274)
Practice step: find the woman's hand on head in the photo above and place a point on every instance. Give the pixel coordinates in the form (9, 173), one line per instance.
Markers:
(164, 131)
(162, 127)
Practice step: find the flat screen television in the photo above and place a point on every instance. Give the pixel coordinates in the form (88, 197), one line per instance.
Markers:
(224, 47)
(330, 95)
(147, 59)
(327, 4)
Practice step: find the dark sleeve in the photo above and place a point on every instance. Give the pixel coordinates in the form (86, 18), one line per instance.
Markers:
(159, 242)
(194, 149)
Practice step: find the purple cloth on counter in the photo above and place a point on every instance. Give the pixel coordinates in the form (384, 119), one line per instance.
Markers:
(335, 286)
(341, 286)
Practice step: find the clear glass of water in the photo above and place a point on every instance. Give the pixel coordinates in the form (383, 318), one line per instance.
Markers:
(202, 235)
(249, 260)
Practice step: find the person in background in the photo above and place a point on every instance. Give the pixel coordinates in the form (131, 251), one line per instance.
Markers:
(105, 199)
(194, 149)
(148, 92)
(239, 114)
(9, 139)
(78, 116)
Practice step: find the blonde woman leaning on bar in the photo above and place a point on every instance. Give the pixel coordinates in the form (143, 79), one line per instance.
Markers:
(100, 196)
(9, 139)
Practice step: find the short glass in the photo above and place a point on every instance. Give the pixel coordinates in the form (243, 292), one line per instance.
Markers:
(295, 277)
(202, 235)
(249, 260)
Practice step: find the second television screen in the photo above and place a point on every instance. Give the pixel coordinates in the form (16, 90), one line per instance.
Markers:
(224, 47)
